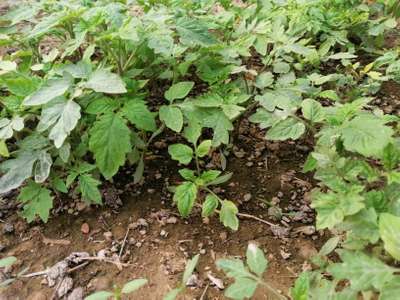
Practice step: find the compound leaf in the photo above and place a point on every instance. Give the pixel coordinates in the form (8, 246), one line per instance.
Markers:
(110, 142)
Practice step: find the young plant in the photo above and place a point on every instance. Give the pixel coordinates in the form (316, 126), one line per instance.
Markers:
(247, 277)
(118, 292)
(189, 269)
(197, 181)
(6, 263)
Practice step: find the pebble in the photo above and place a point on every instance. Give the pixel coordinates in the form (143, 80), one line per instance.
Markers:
(163, 233)
(108, 235)
(85, 229)
(65, 286)
(247, 197)
(223, 235)
(76, 294)
(172, 220)
(8, 228)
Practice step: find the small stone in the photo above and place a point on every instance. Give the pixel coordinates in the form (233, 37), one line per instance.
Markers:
(202, 251)
(247, 197)
(80, 206)
(65, 286)
(138, 244)
(193, 281)
(108, 235)
(172, 220)
(8, 228)
(163, 233)
(285, 255)
(216, 281)
(142, 232)
(85, 229)
(223, 235)
(142, 222)
(76, 294)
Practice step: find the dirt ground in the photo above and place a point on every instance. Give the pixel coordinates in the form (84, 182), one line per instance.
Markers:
(267, 184)
(267, 177)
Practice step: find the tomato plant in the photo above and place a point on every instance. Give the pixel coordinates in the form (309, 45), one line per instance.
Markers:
(77, 105)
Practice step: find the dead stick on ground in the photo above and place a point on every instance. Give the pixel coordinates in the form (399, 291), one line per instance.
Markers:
(204, 292)
(256, 218)
(123, 243)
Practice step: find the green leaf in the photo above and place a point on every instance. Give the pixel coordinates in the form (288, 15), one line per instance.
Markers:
(172, 117)
(329, 246)
(64, 115)
(242, 288)
(37, 201)
(7, 261)
(210, 205)
(391, 156)
(255, 259)
(210, 176)
(363, 272)
(133, 285)
(89, 188)
(342, 55)
(110, 142)
(51, 89)
(42, 167)
(390, 291)
(203, 149)
(389, 228)
(281, 67)
(181, 153)
(333, 207)
(233, 268)
(187, 174)
(228, 214)
(312, 110)
(190, 266)
(221, 125)
(194, 32)
(301, 287)
(192, 132)
(59, 185)
(18, 170)
(4, 149)
(264, 80)
(185, 196)
(366, 135)
(286, 129)
(101, 295)
(103, 81)
(45, 25)
(179, 90)
(138, 114)
(221, 179)
(102, 105)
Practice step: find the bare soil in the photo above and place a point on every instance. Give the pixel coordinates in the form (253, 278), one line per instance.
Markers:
(267, 177)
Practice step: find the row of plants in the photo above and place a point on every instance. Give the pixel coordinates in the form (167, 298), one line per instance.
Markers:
(78, 103)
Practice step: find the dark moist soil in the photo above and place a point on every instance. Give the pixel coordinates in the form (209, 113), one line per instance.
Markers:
(265, 174)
